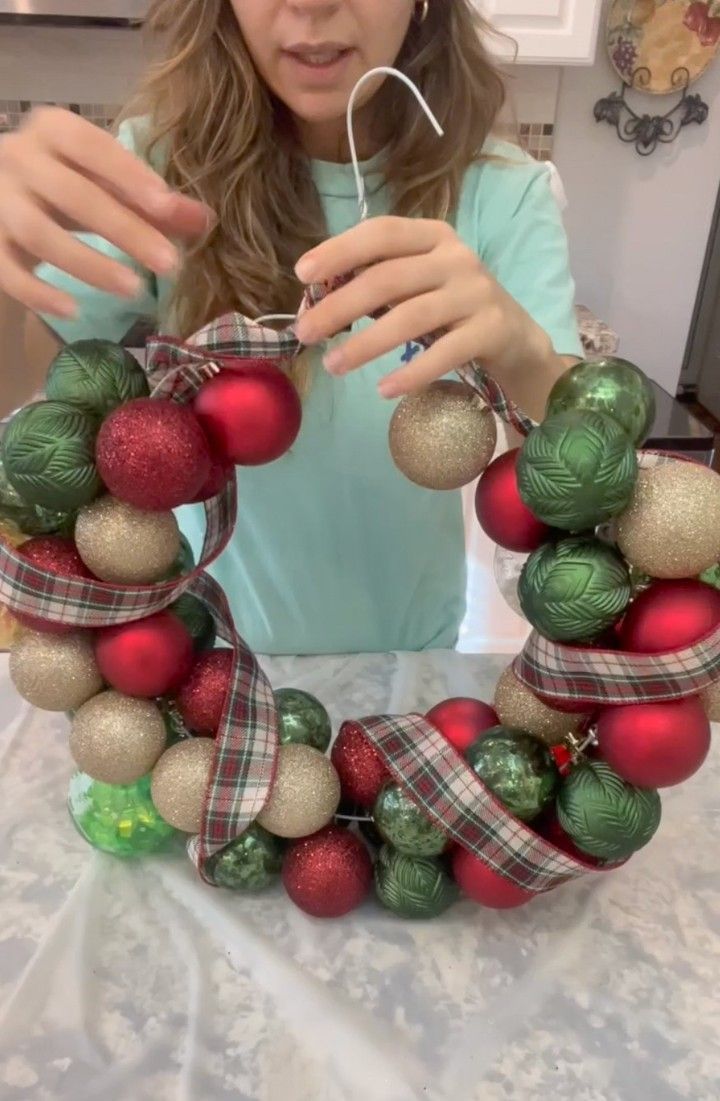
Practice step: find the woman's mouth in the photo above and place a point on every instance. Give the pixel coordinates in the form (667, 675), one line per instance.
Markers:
(324, 60)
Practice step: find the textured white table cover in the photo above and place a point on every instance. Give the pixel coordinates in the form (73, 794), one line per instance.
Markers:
(131, 981)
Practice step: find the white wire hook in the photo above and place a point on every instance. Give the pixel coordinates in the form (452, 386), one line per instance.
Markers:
(388, 71)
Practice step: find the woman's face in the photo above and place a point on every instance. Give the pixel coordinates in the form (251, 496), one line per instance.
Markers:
(312, 52)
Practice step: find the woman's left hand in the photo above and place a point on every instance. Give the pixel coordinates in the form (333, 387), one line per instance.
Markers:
(433, 282)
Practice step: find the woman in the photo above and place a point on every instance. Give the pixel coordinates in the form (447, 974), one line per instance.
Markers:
(236, 147)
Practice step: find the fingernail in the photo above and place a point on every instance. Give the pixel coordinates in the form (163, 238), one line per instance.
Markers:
(387, 389)
(128, 283)
(334, 361)
(306, 268)
(68, 310)
(164, 259)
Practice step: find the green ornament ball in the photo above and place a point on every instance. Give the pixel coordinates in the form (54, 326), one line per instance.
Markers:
(404, 825)
(577, 470)
(249, 863)
(117, 818)
(303, 719)
(573, 590)
(413, 887)
(611, 386)
(184, 561)
(31, 519)
(96, 374)
(605, 816)
(174, 725)
(197, 618)
(711, 576)
(517, 767)
(49, 454)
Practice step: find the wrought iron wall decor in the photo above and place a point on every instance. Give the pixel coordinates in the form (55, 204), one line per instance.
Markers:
(646, 131)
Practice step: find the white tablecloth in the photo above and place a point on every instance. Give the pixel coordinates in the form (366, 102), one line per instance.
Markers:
(131, 981)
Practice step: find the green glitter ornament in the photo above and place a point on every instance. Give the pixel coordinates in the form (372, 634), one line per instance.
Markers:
(611, 386)
(117, 818)
(517, 767)
(197, 618)
(413, 887)
(249, 863)
(96, 374)
(174, 725)
(49, 454)
(577, 470)
(573, 590)
(404, 825)
(605, 816)
(303, 719)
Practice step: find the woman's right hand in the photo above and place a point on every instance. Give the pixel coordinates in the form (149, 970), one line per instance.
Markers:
(60, 174)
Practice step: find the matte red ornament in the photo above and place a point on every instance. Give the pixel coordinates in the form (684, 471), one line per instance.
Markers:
(56, 554)
(251, 414)
(552, 831)
(153, 454)
(484, 885)
(669, 616)
(655, 745)
(461, 720)
(201, 699)
(220, 473)
(329, 873)
(360, 767)
(500, 511)
(150, 657)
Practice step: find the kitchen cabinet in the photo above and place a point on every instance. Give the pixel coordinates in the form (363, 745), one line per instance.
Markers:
(547, 32)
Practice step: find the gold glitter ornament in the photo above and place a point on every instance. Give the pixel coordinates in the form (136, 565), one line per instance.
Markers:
(124, 544)
(179, 781)
(116, 738)
(671, 528)
(710, 700)
(518, 707)
(55, 672)
(305, 794)
(442, 437)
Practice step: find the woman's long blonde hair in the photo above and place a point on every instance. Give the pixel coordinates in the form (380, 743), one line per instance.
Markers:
(225, 139)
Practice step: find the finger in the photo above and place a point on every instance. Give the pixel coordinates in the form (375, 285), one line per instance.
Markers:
(408, 321)
(375, 239)
(392, 281)
(449, 352)
(20, 284)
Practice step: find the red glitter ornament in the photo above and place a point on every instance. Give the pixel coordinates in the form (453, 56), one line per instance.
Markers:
(251, 414)
(655, 745)
(484, 885)
(150, 657)
(201, 699)
(153, 454)
(501, 512)
(56, 554)
(360, 767)
(669, 616)
(329, 873)
(461, 720)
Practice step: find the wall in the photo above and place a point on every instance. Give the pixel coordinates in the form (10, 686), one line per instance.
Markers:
(638, 227)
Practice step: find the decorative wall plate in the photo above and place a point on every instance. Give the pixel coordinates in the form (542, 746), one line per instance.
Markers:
(662, 46)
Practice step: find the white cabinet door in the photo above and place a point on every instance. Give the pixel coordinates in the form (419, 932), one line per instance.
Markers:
(547, 32)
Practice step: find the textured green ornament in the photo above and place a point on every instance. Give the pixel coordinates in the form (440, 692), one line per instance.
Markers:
(303, 719)
(184, 562)
(197, 618)
(608, 385)
(249, 863)
(577, 470)
(49, 454)
(31, 519)
(605, 816)
(117, 818)
(573, 590)
(174, 725)
(413, 887)
(96, 374)
(518, 768)
(711, 576)
(404, 825)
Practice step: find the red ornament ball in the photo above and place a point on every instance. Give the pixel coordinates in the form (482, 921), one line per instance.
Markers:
(500, 511)
(56, 554)
(150, 657)
(461, 720)
(329, 873)
(220, 474)
(484, 885)
(153, 454)
(251, 414)
(669, 616)
(655, 745)
(552, 831)
(360, 767)
(201, 699)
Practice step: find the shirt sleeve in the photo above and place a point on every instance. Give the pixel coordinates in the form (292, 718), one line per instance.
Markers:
(526, 249)
(101, 314)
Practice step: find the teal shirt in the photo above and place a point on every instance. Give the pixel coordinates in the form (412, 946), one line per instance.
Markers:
(335, 551)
